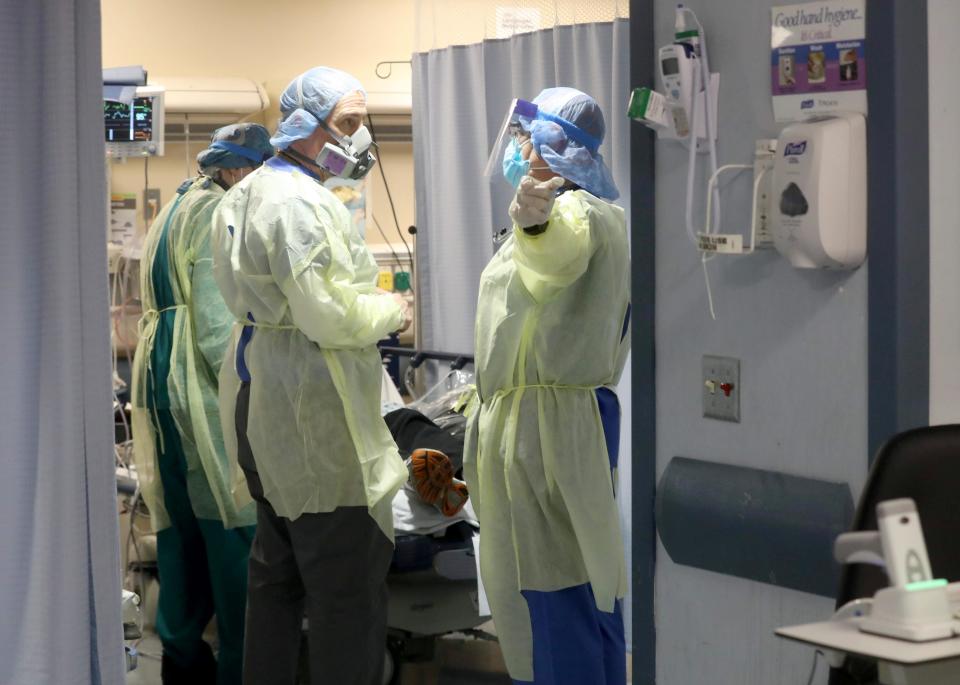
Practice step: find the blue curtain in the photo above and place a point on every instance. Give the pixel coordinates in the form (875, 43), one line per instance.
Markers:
(59, 564)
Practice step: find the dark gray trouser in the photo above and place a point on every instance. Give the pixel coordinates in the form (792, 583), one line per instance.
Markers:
(334, 565)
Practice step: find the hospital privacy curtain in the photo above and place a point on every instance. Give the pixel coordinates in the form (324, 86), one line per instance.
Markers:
(59, 555)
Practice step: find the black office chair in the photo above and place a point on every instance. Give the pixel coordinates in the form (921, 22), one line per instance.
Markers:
(924, 465)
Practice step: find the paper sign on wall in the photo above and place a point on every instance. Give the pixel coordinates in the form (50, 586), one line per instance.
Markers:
(514, 20)
(818, 58)
(123, 218)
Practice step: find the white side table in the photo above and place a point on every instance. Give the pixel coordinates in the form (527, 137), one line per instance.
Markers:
(899, 662)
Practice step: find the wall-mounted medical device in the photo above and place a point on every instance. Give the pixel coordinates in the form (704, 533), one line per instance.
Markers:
(685, 107)
(676, 72)
(677, 76)
(819, 198)
(916, 606)
(809, 186)
(682, 80)
(135, 128)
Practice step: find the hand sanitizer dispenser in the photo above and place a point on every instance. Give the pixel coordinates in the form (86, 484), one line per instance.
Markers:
(820, 193)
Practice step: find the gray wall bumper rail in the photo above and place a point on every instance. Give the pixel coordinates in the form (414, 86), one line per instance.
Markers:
(762, 525)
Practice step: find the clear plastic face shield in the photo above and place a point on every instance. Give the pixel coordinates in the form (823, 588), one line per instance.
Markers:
(511, 130)
(525, 124)
(511, 134)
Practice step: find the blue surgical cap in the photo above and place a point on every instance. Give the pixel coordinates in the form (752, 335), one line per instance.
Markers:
(236, 146)
(574, 153)
(308, 100)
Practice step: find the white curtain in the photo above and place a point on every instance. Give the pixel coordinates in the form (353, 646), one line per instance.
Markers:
(59, 554)
(460, 95)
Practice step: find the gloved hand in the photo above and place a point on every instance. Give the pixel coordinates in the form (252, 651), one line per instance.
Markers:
(533, 202)
(404, 305)
(407, 311)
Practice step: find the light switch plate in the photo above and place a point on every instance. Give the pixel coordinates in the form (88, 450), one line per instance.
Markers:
(717, 372)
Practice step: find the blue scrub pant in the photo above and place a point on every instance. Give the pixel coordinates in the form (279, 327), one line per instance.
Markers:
(574, 643)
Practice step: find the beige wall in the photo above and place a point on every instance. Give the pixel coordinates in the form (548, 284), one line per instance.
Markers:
(269, 42)
(273, 41)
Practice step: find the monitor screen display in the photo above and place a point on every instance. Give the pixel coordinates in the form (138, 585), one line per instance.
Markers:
(671, 66)
(128, 123)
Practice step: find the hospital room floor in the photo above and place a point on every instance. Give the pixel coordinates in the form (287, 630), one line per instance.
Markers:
(457, 662)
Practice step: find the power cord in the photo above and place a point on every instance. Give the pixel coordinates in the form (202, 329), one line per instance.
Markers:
(708, 229)
(706, 279)
(813, 668)
(393, 208)
(387, 241)
(132, 537)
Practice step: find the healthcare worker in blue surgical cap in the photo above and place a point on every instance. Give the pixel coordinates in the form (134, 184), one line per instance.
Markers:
(300, 392)
(203, 536)
(541, 454)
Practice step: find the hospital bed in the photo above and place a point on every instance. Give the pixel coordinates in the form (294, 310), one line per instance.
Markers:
(433, 578)
(433, 589)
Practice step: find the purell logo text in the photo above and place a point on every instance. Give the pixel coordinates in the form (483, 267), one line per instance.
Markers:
(795, 148)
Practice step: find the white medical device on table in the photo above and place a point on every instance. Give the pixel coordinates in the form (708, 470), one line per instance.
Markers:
(819, 200)
(135, 129)
(911, 628)
(916, 606)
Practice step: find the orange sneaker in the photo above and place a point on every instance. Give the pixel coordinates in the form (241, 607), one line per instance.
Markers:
(431, 475)
(454, 498)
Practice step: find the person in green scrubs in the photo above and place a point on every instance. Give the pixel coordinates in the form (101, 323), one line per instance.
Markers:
(203, 532)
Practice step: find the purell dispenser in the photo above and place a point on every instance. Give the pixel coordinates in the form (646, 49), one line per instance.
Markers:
(819, 202)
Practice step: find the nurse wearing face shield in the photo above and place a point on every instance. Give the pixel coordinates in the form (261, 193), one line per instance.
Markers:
(552, 337)
(300, 392)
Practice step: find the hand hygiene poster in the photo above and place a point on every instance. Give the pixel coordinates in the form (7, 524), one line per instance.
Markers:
(818, 59)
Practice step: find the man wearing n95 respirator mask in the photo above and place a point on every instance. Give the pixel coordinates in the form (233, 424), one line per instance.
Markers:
(552, 336)
(302, 393)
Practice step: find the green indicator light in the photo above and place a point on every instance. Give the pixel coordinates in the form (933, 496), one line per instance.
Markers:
(926, 584)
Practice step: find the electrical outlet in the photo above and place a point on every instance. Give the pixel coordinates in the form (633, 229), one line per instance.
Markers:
(721, 388)
(764, 157)
(385, 280)
(151, 205)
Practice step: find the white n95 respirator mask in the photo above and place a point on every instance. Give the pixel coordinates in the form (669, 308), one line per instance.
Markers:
(350, 157)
